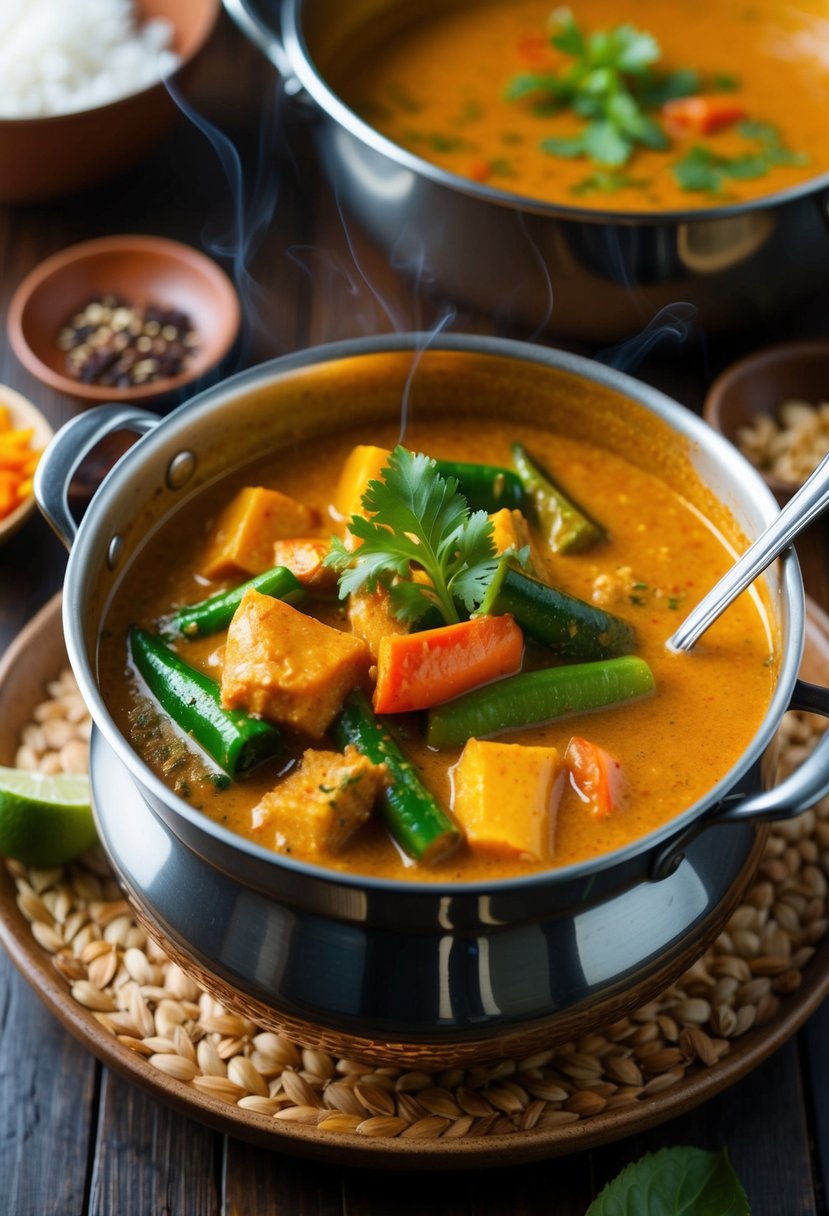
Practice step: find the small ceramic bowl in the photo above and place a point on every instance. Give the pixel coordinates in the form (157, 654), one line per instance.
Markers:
(57, 154)
(139, 270)
(760, 383)
(22, 415)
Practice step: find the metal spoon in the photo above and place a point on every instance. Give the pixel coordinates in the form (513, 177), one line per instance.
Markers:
(810, 501)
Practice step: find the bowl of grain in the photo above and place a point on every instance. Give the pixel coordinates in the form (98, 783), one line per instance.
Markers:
(774, 406)
(83, 87)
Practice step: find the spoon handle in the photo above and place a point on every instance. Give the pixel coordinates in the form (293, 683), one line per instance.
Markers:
(810, 501)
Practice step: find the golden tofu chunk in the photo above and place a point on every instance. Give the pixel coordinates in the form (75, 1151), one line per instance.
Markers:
(288, 667)
(314, 811)
(371, 618)
(245, 532)
(506, 797)
(364, 464)
(304, 557)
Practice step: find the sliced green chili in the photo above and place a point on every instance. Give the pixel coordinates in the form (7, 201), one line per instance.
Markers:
(236, 741)
(537, 696)
(569, 626)
(486, 487)
(215, 613)
(567, 528)
(416, 820)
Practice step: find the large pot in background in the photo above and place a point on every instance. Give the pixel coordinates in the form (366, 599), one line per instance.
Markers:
(423, 972)
(584, 273)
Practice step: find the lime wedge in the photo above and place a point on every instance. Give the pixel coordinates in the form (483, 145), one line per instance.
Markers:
(44, 820)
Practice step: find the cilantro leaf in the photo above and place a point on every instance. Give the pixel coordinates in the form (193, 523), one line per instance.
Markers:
(417, 523)
(605, 144)
(604, 182)
(567, 36)
(674, 1182)
(702, 169)
(568, 148)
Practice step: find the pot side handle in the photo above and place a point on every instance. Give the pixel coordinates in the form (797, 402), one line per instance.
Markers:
(800, 790)
(64, 454)
(244, 15)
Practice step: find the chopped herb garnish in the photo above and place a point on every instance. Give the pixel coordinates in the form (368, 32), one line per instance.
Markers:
(705, 170)
(607, 182)
(470, 112)
(611, 84)
(724, 82)
(418, 522)
(401, 98)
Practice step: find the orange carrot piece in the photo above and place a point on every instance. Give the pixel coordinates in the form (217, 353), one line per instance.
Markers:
(595, 775)
(5, 419)
(534, 50)
(701, 115)
(418, 670)
(479, 170)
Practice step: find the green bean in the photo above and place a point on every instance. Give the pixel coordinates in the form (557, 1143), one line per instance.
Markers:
(416, 820)
(569, 626)
(567, 528)
(215, 613)
(235, 741)
(485, 486)
(537, 696)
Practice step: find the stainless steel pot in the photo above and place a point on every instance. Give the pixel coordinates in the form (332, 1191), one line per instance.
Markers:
(593, 275)
(364, 965)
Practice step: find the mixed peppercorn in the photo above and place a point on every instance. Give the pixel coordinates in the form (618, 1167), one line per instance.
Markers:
(113, 342)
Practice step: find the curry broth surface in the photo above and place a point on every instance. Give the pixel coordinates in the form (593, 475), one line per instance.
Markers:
(436, 87)
(673, 745)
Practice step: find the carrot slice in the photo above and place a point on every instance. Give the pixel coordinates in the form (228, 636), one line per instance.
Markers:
(701, 115)
(595, 775)
(418, 670)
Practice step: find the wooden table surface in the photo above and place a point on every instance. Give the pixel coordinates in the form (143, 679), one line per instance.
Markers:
(78, 1139)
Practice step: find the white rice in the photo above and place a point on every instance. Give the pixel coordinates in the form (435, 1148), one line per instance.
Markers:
(60, 56)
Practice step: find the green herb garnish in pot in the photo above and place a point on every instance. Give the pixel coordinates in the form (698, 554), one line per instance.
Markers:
(419, 524)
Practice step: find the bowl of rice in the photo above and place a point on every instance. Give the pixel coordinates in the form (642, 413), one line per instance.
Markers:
(774, 406)
(83, 87)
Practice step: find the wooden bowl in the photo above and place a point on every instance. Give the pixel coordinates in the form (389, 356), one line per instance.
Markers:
(760, 383)
(140, 269)
(55, 155)
(23, 415)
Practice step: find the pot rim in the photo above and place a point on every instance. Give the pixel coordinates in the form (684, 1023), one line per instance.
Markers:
(681, 419)
(312, 81)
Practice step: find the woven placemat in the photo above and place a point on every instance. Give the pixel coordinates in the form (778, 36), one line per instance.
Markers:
(77, 914)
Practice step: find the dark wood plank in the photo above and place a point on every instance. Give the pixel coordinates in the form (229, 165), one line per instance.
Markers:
(406, 1194)
(563, 1187)
(47, 1092)
(761, 1121)
(259, 1183)
(814, 1045)
(148, 1159)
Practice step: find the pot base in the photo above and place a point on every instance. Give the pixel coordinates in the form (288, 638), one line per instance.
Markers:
(117, 802)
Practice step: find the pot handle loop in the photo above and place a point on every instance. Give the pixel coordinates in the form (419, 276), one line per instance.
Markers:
(62, 457)
(245, 16)
(800, 790)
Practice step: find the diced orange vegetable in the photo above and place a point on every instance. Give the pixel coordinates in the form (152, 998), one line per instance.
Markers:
(418, 670)
(247, 529)
(506, 798)
(364, 464)
(534, 50)
(701, 115)
(9, 482)
(304, 556)
(5, 419)
(595, 775)
(479, 170)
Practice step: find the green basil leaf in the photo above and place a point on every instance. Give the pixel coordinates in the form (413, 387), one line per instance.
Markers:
(674, 1182)
(605, 144)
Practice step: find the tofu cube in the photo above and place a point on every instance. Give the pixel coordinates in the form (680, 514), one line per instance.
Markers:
(314, 811)
(506, 797)
(243, 538)
(371, 618)
(288, 667)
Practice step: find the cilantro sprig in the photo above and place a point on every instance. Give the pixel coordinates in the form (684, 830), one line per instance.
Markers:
(611, 84)
(703, 169)
(418, 539)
